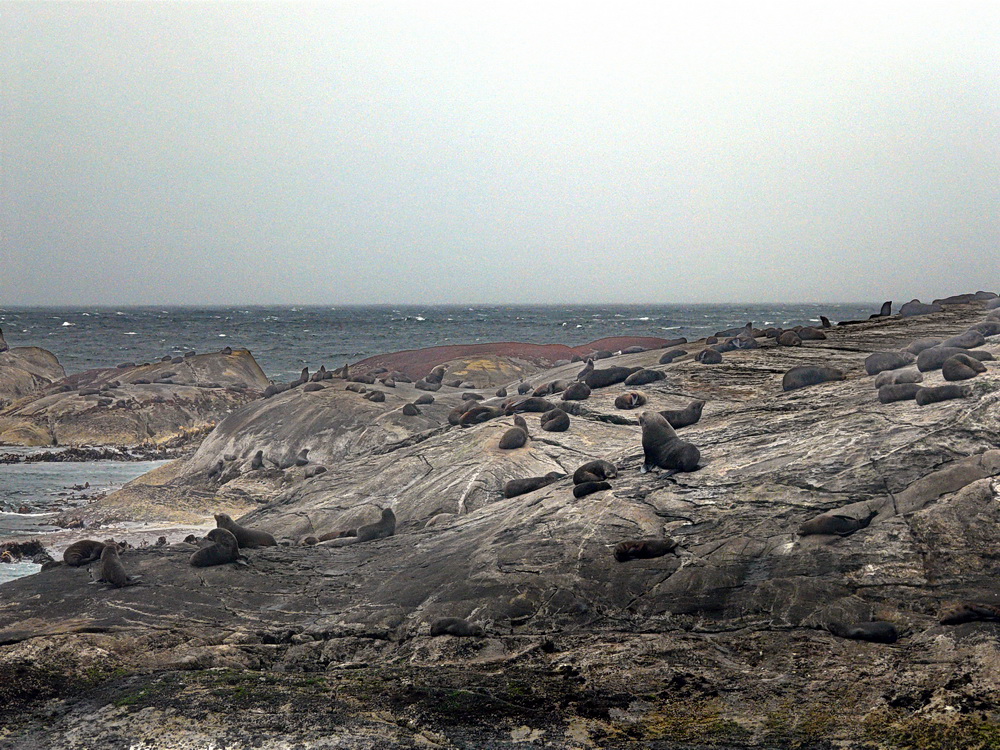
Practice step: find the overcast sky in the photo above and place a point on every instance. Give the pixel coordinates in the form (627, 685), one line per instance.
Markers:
(380, 152)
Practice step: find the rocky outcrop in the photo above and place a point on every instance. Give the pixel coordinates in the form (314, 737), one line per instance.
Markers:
(727, 638)
(25, 370)
(135, 405)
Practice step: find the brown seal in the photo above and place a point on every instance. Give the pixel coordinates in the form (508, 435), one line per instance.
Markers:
(409, 410)
(877, 632)
(381, 529)
(516, 487)
(578, 391)
(645, 376)
(961, 367)
(245, 537)
(595, 471)
(643, 549)
(111, 569)
(661, 446)
(630, 400)
(588, 488)
(516, 436)
(927, 396)
(83, 552)
(258, 460)
(423, 398)
(685, 417)
(832, 523)
(224, 549)
(555, 420)
(968, 612)
(806, 375)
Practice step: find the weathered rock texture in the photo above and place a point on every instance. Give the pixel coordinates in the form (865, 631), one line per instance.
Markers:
(110, 406)
(25, 370)
(720, 642)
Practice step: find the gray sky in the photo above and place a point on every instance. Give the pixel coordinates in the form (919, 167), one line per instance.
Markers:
(370, 152)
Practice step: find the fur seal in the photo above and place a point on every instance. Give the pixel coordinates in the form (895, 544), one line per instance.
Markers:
(83, 552)
(988, 328)
(811, 334)
(578, 391)
(501, 393)
(644, 377)
(530, 404)
(927, 396)
(588, 488)
(918, 345)
(111, 569)
(355, 387)
(968, 612)
(423, 385)
(893, 392)
(685, 417)
(877, 632)
(516, 436)
(663, 448)
(825, 321)
(302, 458)
(667, 357)
(961, 367)
(423, 398)
(554, 420)
(258, 461)
(932, 359)
(381, 529)
(523, 388)
(832, 523)
(916, 307)
(630, 400)
(789, 338)
(708, 357)
(472, 397)
(516, 487)
(595, 471)
(245, 537)
(479, 414)
(898, 377)
(315, 471)
(409, 410)
(608, 376)
(805, 375)
(311, 387)
(455, 626)
(879, 361)
(587, 369)
(551, 388)
(224, 549)
(375, 396)
(3, 344)
(968, 340)
(643, 549)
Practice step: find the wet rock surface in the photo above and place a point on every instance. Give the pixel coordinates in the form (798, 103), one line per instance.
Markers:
(723, 640)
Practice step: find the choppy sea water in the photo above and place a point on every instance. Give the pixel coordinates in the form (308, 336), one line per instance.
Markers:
(286, 339)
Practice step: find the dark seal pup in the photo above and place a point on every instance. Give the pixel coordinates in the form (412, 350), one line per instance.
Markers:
(516, 487)
(111, 569)
(630, 400)
(246, 538)
(225, 549)
(455, 626)
(555, 420)
(685, 417)
(663, 448)
(875, 632)
(83, 552)
(829, 523)
(595, 471)
(643, 549)
(588, 488)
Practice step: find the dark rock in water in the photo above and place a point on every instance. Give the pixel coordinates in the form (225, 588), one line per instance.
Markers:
(875, 632)
(893, 392)
(916, 307)
(961, 367)
(934, 358)
(927, 396)
(879, 361)
(643, 549)
(802, 376)
(670, 356)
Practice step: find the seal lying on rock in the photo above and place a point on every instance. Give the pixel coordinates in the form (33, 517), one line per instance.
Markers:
(384, 527)
(685, 417)
(595, 471)
(670, 356)
(608, 376)
(832, 523)
(961, 367)
(876, 632)
(661, 446)
(803, 376)
(644, 377)
(630, 400)
(898, 377)
(934, 358)
(879, 361)
(246, 538)
(455, 626)
(893, 392)
(224, 549)
(516, 487)
(588, 488)
(83, 552)
(578, 391)
(968, 612)
(555, 420)
(643, 549)
(927, 396)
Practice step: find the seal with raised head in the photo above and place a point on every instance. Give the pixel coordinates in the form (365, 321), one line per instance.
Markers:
(643, 549)
(455, 626)
(523, 388)
(661, 446)
(381, 529)
(410, 410)
(685, 417)
(111, 569)
(246, 538)
(224, 549)
(833, 523)
(83, 552)
(257, 462)
(878, 631)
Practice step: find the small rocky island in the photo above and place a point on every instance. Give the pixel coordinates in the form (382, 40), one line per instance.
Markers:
(822, 574)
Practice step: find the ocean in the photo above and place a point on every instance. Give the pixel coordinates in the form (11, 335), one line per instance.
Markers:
(285, 339)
